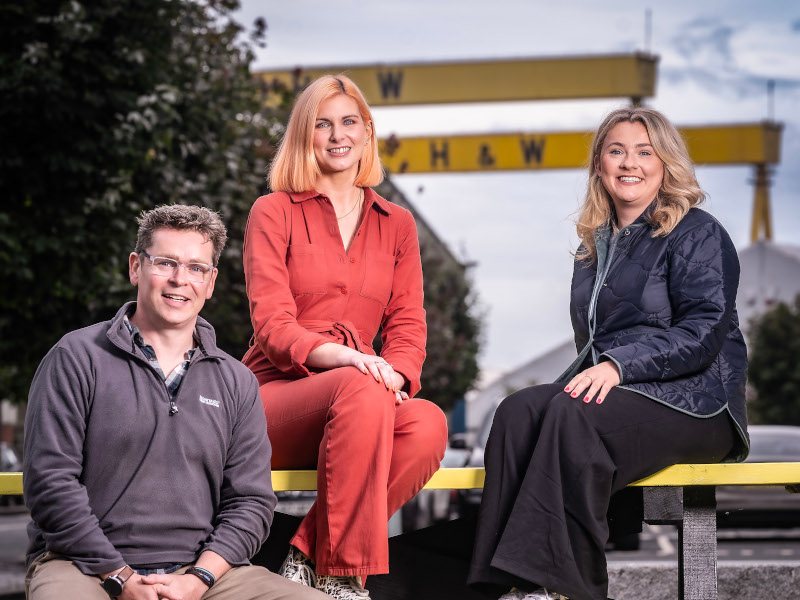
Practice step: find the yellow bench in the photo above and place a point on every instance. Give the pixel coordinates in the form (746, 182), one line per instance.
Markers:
(675, 476)
(681, 495)
(787, 474)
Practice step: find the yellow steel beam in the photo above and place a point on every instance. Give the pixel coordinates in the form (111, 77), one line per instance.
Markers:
(761, 224)
(468, 478)
(757, 143)
(10, 483)
(674, 476)
(751, 143)
(304, 480)
(559, 78)
(725, 474)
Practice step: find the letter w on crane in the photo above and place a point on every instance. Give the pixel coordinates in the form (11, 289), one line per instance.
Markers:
(391, 84)
(532, 150)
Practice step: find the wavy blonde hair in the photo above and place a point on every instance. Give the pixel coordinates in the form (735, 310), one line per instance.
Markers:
(679, 189)
(295, 168)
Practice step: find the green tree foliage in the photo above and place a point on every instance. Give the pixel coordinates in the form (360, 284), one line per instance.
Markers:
(774, 370)
(110, 107)
(454, 331)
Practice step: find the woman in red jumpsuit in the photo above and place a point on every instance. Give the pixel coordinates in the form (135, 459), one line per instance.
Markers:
(327, 263)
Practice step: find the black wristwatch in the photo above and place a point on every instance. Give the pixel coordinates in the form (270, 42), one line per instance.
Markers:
(113, 585)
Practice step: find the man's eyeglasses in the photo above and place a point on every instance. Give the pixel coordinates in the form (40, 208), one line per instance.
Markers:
(167, 267)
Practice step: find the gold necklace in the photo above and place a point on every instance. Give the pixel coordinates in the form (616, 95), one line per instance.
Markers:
(356, 203)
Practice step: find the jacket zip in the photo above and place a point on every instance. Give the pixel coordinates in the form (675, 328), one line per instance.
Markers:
(598, 285)
(173, 406)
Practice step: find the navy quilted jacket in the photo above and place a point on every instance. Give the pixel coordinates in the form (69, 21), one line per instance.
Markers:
(664, 310)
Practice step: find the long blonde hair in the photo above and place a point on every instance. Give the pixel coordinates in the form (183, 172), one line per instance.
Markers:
(295, 168)
(679, 189)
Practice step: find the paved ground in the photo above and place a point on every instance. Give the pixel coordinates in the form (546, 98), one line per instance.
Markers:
(762, 550)
(12, 552)
(659, 542)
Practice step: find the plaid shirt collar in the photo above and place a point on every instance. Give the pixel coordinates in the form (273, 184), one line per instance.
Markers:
(173, 380)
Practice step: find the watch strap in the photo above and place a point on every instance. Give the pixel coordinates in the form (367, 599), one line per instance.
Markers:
(114, 584)
(204, 575)
(125, 574)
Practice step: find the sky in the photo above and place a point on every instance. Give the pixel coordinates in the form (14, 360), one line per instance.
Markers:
(715, 60)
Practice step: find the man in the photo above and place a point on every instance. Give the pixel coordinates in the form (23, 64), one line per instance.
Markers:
(146, 465)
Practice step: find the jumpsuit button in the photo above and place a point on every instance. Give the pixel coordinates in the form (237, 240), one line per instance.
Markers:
(352, 260)
(627, 231)
(343, 290)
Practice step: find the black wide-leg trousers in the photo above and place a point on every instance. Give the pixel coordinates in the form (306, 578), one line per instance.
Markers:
(552, 464)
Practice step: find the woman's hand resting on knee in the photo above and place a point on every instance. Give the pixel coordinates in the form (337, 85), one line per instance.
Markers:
(331, 356)
(595, 381)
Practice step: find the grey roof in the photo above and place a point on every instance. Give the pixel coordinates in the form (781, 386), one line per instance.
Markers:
(770, 274)
(541, 369)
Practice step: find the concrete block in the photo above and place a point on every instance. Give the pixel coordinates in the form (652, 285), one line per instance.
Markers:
(737, 580)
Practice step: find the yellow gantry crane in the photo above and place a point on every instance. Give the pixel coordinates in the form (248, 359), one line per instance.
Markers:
(750, 143)
(738, 144)
(561, 78)
(631, 76)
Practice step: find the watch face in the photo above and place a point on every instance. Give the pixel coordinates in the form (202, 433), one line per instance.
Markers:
(113, 586)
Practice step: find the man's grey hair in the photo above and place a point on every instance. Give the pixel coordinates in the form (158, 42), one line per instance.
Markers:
(183, 218)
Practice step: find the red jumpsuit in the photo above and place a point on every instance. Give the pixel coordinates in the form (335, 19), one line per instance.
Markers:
(305, 290)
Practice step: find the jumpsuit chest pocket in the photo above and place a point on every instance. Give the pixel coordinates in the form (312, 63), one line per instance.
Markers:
(306, 265)
(378, 277)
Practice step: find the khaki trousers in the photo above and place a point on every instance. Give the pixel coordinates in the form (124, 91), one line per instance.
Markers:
(58, 579)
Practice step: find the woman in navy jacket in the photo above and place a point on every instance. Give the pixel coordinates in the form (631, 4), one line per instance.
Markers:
(659, 377)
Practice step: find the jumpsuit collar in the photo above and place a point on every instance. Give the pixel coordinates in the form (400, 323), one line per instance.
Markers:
(370, 198)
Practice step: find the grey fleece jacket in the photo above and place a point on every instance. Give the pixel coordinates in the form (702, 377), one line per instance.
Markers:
(111, 477)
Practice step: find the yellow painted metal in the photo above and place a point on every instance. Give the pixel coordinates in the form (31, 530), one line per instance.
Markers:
(747, 143)
(10, 484)
(761, 225)
(675, 476)
(443, 479)
(499, 152)
(557, 78)
(456, 479)
(469, 478)
(306, 480)
(725, 474)
(284, 481)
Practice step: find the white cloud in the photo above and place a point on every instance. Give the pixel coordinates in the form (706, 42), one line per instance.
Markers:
(768, 50)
